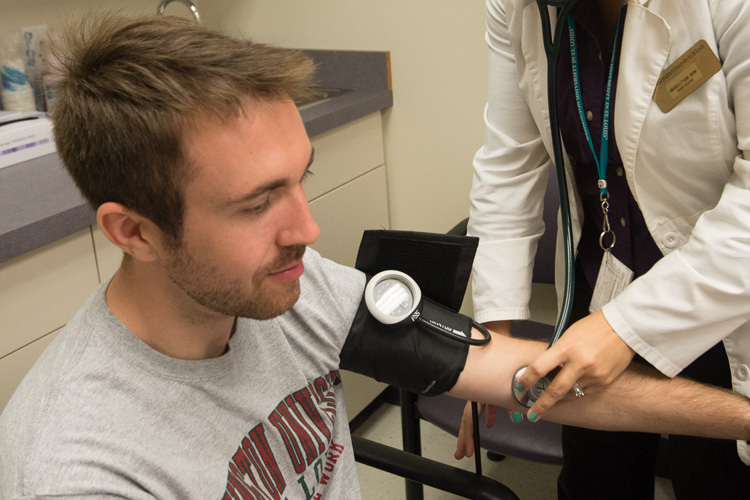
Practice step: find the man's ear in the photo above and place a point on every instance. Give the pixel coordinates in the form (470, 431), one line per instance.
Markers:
(135, 234)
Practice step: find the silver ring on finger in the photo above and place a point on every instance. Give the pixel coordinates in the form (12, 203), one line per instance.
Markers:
(578, 391)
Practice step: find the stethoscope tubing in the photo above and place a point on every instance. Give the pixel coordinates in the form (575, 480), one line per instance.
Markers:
(552, 50)
(552, 41)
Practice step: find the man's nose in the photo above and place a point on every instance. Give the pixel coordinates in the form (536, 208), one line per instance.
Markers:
(300, 227)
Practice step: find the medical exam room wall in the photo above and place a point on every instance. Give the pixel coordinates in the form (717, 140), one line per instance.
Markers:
(438, 59)
(438, 62)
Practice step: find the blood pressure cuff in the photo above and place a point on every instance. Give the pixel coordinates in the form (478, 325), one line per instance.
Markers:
(406, 355)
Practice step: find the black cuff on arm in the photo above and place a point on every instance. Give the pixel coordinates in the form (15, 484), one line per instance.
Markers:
(406, 356)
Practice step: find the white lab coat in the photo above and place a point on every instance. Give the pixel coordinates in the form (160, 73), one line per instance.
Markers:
(689, 170)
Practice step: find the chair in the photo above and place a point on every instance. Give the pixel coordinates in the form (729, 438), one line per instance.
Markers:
(539, 441)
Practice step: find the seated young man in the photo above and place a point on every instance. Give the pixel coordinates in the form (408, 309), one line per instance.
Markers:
(207, 366)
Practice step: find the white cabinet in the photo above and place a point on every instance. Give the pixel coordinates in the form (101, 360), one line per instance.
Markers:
(347, 191)
(42, 289)
(344, 213)
(348, 194)
(345, 153)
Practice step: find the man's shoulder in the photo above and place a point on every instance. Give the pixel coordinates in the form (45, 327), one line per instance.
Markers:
(329, 297)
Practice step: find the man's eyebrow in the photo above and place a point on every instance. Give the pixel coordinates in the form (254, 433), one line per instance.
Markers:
(267, 187)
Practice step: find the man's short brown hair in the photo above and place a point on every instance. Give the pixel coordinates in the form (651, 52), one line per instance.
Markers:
(129, 89)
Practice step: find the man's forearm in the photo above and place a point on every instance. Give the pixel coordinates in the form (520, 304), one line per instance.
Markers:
(641, 399)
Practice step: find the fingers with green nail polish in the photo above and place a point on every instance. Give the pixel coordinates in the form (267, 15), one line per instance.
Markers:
(517, 416)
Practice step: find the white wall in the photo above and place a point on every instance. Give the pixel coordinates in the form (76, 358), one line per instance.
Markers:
(438, 60)
(15, 14)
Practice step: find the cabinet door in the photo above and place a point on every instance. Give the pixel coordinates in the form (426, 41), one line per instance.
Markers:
(342, 216)
(42, 289)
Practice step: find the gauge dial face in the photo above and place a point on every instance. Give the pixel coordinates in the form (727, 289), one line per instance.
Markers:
(393, 298)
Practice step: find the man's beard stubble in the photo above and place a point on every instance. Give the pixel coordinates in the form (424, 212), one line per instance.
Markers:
(232, 295)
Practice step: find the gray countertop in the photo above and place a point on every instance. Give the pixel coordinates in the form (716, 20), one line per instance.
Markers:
(39, 202)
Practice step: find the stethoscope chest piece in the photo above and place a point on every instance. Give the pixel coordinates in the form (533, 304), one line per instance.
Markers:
(527, 398)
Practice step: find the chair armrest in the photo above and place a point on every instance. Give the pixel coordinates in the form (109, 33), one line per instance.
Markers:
(429, 472)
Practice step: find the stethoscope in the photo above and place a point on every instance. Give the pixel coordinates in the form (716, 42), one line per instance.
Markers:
(552, 43)
(394, 298)
(552, 49)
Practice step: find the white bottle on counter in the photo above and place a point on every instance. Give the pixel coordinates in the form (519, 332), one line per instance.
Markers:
(15, 90)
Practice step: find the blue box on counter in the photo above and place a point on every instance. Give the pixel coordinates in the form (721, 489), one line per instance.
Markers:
(24, 136)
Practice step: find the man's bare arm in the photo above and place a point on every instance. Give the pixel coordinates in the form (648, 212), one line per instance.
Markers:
(640, 399)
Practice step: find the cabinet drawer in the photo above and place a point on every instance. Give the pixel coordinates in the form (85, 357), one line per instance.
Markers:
(345, 153)
(359, 391)
(42, 289)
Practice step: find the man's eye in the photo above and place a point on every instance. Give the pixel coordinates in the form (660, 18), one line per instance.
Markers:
(259, 209)
(307, 174)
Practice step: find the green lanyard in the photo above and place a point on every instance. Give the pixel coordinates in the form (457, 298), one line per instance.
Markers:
(601, 161)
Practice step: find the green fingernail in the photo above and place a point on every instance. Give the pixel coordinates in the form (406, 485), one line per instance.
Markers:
(533, 417)
(519, 387)
(517, 417)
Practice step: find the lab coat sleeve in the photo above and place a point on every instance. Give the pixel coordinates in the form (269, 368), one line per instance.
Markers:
(698, 295)
(510, 176)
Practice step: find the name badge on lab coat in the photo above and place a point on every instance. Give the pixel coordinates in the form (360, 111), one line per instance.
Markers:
(685, 75)
(613, 277)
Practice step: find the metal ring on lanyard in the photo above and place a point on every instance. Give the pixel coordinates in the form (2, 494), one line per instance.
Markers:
(601, 161)
(606, 230)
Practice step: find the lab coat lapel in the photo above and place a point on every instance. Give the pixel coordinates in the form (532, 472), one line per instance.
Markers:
(645, 47)
(534, 80)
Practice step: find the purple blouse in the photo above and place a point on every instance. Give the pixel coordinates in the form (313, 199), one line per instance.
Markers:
(634, 246)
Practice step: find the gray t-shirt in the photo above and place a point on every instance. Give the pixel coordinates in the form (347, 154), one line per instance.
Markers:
(102, 414)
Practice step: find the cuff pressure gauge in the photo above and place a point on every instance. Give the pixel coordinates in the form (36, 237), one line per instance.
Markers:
(393, 297)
